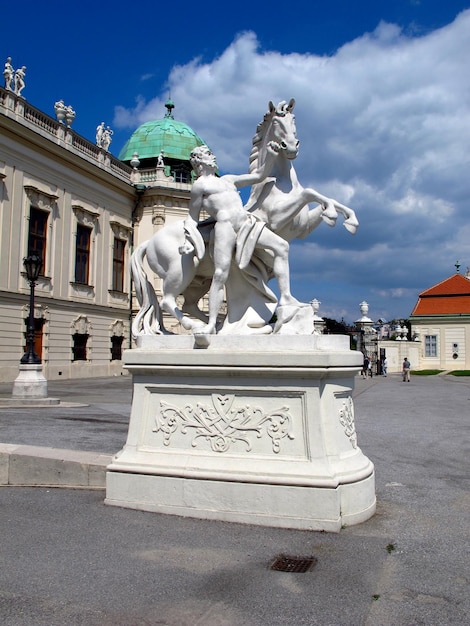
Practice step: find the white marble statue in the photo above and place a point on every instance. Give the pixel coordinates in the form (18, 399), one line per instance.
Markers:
(160, 161)
(106, 138)
(99, 133)
(278, 206)
(19, 80)
(8, 73)
(233, 229)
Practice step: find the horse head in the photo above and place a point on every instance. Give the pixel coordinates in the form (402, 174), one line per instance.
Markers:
(281, 128)
(278, 126)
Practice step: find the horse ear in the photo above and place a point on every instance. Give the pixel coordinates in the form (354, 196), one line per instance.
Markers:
(291, 104)
(271, 106)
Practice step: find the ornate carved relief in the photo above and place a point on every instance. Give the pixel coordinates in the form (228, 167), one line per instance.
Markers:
(40, 312)
(85, 216)
(223, 423)
(346, 418)
(40, 199)
(158, 219)
(81, 325)
(117, 328)
(120, 230)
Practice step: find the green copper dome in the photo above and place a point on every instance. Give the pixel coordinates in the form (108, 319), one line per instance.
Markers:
(175, 139)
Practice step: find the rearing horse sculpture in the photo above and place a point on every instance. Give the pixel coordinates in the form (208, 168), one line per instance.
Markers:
(280, 202)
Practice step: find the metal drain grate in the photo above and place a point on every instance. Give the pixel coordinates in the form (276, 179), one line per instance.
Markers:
(293, 564)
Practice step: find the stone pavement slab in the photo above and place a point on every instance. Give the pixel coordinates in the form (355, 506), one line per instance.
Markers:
(66, 558)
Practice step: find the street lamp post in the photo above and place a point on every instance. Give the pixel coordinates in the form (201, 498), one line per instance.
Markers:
(33, 265)
(30, 386)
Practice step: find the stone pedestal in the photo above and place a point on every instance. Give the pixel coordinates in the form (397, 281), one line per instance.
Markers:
(30, 388)
(30, 383)
(257, 430)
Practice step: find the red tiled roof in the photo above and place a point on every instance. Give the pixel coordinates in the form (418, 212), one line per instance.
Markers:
(449, 297)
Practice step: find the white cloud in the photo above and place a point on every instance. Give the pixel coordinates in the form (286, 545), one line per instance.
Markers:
(384, 126)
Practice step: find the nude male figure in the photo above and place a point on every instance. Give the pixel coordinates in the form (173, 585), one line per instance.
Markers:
(219, 197)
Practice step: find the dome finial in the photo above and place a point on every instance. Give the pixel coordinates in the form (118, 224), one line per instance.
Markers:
(169, 106)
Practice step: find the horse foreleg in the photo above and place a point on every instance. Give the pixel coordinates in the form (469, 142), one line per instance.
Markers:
(351, 222)
(332, 208)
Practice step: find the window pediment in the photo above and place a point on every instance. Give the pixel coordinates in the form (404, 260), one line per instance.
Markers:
(120, 230)
(86, 217)
(40, 199)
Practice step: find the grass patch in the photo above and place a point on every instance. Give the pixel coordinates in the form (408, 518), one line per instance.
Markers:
(426, 372)
(460, 373)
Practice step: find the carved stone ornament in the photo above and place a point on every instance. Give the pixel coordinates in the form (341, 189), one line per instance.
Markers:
(346, 418)
(120, 230)
(158, 219)
(81, 325)
(39, 199)
(223, 423)
(85, 217)
(117, 328)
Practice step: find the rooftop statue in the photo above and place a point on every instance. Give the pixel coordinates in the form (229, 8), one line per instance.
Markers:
(106, 138)
(240, 248)
(8, 73)
(19, 80)
(99, 133)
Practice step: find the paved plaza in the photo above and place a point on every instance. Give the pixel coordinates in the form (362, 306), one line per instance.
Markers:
(67, 559)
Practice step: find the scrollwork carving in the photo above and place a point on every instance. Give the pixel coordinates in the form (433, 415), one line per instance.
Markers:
(346, 418)
(222, 423)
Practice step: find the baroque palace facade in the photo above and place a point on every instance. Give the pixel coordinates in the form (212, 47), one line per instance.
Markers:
(82, 211)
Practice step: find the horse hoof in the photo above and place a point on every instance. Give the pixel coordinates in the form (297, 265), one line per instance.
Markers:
(202, 340)
(329, 220)
(351, 227)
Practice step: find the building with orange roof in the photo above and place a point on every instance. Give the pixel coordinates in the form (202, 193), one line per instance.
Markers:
(441, 322)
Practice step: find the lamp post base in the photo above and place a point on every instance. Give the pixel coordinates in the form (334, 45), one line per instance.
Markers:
(30, 383)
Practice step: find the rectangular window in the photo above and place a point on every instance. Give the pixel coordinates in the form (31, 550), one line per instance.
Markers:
(79, 347)
(82, 254)
(430, 345)
(118, 264)
(116, 348)
(38, 234)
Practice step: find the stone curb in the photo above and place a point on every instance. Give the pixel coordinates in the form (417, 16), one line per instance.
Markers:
(52, 467)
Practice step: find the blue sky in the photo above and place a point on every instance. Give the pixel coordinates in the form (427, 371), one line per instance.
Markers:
(382, 93)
